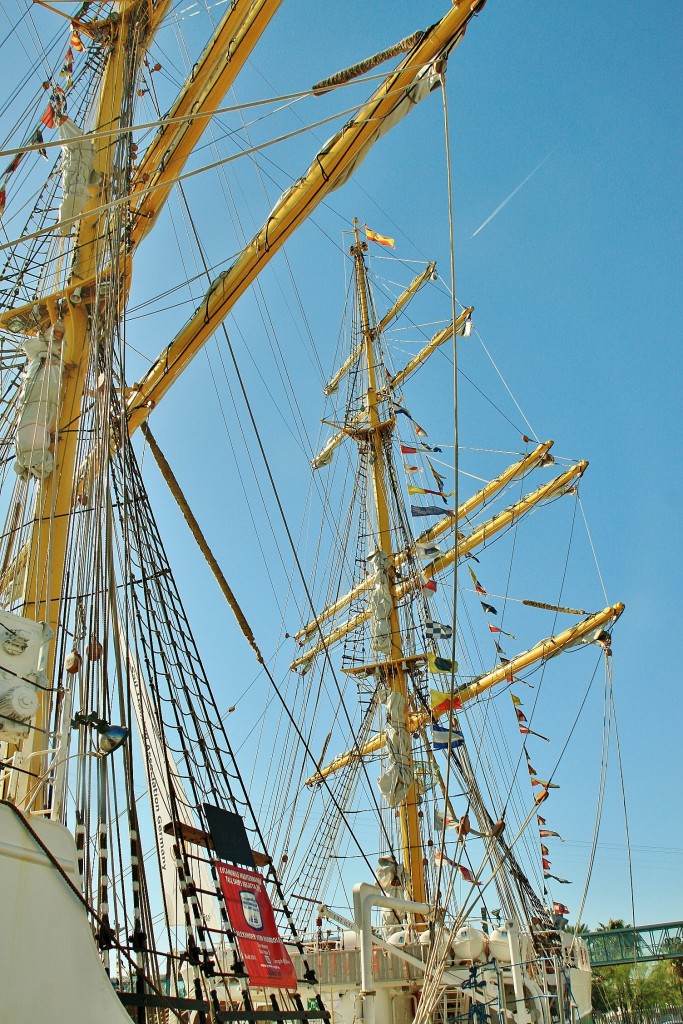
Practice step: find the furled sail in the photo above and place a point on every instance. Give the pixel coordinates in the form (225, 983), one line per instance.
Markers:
(396, 781)
(38, 403)
(78, 157)
(380, 604)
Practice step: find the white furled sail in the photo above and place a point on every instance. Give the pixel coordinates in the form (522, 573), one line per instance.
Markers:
(38, 403)
(380, 605)
(78, 157)
(395, 782)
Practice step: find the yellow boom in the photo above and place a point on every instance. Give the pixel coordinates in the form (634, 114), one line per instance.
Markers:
(543, 650)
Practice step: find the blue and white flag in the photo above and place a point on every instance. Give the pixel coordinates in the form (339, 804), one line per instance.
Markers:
(437, 630)
(428, 550)
(396, 408)
(440, 735)
(430, 510)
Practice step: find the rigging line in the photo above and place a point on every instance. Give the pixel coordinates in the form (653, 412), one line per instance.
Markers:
(273, 333)
(623, 790)
(606, 721)
(206, 273)
(143, 193)
(575, 722)
(13, 29)
(259, 655)
(590, 541)
(449, 192)
(506, 386)
(514, 770)
(342, 703)
(297, 562)
(554, 624)
(162, 122)
(175, 288)
(34, 37)
(444, 355)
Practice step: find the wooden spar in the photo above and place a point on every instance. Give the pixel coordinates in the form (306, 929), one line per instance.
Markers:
(423, 355)
(439, 338)
(400, 303)
(405, 297)
(237, 34)
(543, 650)
(529, 462)
(466, 544)
(212, 76)
(329, 170)
(396, 680)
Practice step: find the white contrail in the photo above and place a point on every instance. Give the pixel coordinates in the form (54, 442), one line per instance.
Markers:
(513, 193)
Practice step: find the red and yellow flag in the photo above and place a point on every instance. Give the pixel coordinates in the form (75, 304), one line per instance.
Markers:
(440, 702)
(372, 236)
(76, 42)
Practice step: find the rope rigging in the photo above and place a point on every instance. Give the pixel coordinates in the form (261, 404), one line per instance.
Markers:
(126, 659)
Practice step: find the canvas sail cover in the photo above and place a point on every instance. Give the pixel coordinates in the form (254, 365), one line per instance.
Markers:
(425, 83)
(391, 877)
(380, 605)
(78, 157)
(38, 403)
(398, 777)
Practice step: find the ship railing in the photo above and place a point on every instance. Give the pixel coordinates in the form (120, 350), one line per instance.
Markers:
(336, 965)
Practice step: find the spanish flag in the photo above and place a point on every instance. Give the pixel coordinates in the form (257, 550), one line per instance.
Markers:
(372, 236)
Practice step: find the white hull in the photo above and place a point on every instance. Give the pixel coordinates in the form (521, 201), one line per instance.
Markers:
(50, 969)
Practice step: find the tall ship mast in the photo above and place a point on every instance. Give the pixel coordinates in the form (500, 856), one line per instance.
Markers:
(395, 652)
(152, 870)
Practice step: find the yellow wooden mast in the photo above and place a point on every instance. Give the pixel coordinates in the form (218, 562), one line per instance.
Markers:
(392, 673)
(44, 558)
(46, 553)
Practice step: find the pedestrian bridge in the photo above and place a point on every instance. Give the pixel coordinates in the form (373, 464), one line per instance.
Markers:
(635, 945)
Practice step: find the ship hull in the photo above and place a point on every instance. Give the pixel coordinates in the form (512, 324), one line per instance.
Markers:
(50, 968)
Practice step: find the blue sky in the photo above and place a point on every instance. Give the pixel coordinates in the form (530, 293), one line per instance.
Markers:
(576, 284)
(576, 288)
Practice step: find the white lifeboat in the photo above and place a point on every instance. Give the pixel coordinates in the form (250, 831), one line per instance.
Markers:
(469, 944)
(499, 945)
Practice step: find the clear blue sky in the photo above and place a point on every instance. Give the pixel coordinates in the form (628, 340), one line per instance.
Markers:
(576, 284)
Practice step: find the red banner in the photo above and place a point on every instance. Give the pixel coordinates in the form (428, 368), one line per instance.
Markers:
(251, 916)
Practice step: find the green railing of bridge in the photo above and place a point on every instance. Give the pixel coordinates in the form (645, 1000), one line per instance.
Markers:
(636, 945)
